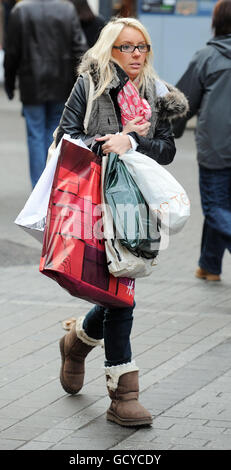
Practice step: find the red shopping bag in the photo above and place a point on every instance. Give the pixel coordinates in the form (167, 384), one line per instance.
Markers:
(73, 248)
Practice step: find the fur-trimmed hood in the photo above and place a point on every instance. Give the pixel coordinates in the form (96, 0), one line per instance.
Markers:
(172, 105)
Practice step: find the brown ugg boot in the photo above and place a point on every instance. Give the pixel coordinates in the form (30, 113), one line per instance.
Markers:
(123, 388)
(74, 348)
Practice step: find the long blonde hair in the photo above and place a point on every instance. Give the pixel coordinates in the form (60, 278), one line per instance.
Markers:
(100, 53)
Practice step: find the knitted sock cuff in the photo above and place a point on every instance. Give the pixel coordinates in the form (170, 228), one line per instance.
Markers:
(81, 334)
(114, 373)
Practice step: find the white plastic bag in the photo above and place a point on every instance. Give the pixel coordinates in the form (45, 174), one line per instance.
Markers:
(165, 196)
(121, 262)
(32, 217)
(1, 66)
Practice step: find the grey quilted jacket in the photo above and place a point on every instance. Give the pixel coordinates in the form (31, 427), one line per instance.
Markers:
(207, 85)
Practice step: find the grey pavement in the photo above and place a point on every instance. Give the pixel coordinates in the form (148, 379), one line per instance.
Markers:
(181, 336)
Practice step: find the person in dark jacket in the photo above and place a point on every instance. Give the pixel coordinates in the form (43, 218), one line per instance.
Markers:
(90, 23)
(121, 56)
(207, 85)
(44, 45)
(7, 7)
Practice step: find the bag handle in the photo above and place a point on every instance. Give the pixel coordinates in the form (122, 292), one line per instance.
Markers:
(89, 90)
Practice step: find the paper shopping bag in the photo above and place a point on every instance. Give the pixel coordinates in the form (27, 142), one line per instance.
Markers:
(32, 217)
(73, 249)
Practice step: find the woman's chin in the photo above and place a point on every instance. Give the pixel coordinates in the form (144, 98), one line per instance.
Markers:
(133, 75)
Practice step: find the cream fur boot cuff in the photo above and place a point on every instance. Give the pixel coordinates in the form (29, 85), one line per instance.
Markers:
(114, 373)
(84, 337)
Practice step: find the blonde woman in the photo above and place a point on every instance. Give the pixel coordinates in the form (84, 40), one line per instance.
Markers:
(115, 70)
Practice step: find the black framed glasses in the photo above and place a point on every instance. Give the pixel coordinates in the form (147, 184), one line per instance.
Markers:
(129, 48)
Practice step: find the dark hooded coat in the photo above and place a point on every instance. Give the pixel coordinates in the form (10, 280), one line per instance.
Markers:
(207, 85)
(44, 45)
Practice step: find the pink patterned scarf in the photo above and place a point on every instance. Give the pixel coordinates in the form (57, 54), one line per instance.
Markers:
(132, 105)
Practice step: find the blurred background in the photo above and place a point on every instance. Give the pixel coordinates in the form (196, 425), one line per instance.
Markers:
(177, 27)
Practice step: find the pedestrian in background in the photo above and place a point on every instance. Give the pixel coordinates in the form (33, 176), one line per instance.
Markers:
(90, 23)
(118, 66)
(7, 7)
(44, 45)
(207, 85)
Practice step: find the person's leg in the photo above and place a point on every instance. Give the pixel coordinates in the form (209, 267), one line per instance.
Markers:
(212, 250)
(93, 322)
(114, 325)
(36, 139)
(76, 345)
(215, 187)
(117, 328)
(120, 370)
(53, 115)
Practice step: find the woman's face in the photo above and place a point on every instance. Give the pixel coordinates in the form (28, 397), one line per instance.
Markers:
(132, 63)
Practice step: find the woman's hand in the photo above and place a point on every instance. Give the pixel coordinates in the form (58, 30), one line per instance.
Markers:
(133, 126)
(116, 143)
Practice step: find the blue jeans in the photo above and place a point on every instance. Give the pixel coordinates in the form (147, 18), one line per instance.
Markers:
(114, 325)
(215, 188)
(41, 121)
(213, 247)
